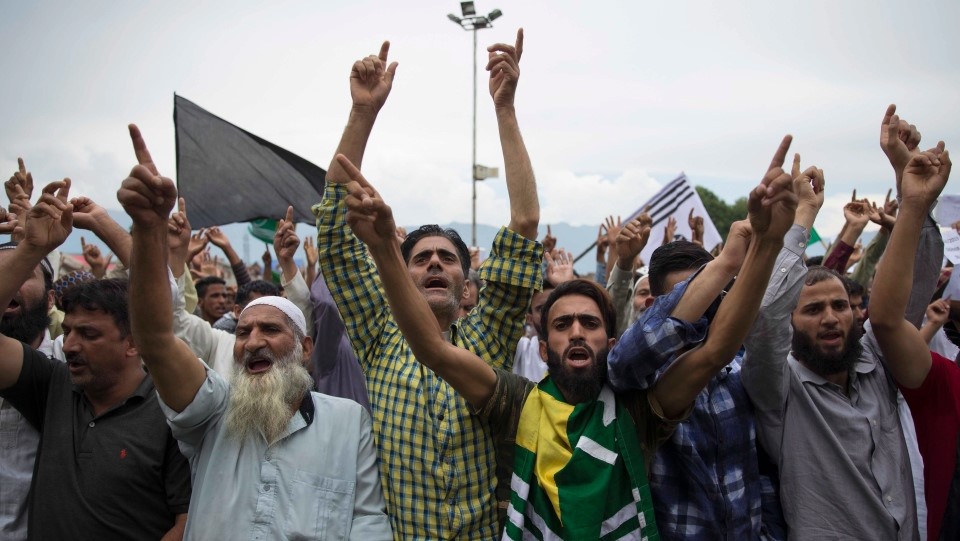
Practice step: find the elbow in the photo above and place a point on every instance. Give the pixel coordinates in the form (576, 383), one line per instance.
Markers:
(526, 223)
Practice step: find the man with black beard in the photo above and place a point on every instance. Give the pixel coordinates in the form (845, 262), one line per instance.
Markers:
(270, 459)
(577, 469)
(25, 319)
(825, 402)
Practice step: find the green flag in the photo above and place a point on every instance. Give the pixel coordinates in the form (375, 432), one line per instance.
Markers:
(263, 229)
(814, 236)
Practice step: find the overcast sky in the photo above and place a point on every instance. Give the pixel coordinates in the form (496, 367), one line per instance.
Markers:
(615, 98)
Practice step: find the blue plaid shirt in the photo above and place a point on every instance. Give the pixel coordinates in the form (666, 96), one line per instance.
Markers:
(706, 480)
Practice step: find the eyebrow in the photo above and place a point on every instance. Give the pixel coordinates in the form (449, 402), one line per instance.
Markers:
(567, 318)
(441, 251)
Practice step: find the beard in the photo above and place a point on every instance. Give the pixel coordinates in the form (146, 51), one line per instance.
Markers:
(635, 315)
(260, 403)
(447, 306)
(29, 324)
(822, 363)
(578, 385)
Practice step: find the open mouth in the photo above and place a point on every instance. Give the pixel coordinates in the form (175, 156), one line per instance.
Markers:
(831, 338)
(258, 365)
(12, 307)
(435, 282)
(578, 357)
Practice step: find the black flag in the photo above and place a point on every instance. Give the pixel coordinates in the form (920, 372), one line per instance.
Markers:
(228, 174)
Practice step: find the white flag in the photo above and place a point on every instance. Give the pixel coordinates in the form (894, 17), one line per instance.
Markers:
(676, 199)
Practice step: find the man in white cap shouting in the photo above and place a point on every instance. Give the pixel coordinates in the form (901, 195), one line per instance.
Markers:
(270, 459)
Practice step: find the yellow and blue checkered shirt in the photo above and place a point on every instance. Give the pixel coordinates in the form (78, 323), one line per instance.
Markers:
(437, 462)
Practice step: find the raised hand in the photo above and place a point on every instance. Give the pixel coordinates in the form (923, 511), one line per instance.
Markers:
(285, 240)
(218, 238)
(613, 229)
(549, 241)
(696, 228)
(938, 312)
(631, 240)
(20, 185)
(772, 205)
(371, 80)
(146, 196)
(670, 230)
(474, 257)
(370, 218)
(50, 220)
(857, 213)
(198, 243)
(734, 251)
(559, 267)
(92, 255)
(178, 236)
(310, 251)
(890, 205)
(504, 67)
(86, 213)
(899, 140)
(9, 224)
(925, 175)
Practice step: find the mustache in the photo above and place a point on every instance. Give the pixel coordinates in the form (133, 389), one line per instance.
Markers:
(580, 344)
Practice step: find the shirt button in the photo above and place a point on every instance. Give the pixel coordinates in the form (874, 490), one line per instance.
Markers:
(801, 244)
(783, 269)
(92, 424)
(889, 498)
(874, 423)
(440, 417)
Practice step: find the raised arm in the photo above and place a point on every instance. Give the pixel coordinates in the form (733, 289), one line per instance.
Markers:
(372, 221)
(906, 353)
(350, 275)
(92, 217)
(504, 68)
(148, 198)
(772, 207)
(47, 225)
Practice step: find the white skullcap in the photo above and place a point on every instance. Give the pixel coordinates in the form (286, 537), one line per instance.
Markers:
(285, 306)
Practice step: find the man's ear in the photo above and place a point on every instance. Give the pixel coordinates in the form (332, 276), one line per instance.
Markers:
(611, 342)
(51, 300)
(543, 350)
(307, 349)
(236, 311)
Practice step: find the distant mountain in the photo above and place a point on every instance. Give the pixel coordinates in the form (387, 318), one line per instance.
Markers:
(575, 239)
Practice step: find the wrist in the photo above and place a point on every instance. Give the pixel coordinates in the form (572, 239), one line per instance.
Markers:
(363, 113)
(625, 264)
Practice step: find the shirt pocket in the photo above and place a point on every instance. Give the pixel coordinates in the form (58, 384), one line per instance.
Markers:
(10, 421)
(321, 507)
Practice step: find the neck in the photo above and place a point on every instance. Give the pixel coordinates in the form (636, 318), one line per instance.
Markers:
(446, 318)
(35, 343)
(104, 399)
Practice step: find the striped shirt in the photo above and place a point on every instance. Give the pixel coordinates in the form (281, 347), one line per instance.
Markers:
(437, 462)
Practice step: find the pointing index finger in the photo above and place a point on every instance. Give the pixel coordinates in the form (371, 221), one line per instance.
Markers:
(384, 51)
(781, 154)
(289, 217)
(352, 171)
(23, 168)
(519, 44)
(140, 149)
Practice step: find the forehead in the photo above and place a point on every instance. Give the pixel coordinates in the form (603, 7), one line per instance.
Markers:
(81, 317)
(434, 244)
(643, 284)
(262, 314)
(540, 298)
(569, 305)
(823, 291)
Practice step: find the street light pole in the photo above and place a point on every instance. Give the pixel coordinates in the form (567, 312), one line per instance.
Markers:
(473, 22)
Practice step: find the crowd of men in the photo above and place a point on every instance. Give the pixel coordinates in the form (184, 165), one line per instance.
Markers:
(399, 388)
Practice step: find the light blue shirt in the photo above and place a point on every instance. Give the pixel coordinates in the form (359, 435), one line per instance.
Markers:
(319, 480)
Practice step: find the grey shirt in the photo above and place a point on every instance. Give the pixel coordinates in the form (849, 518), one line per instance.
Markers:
(844, 468)
(318, 481)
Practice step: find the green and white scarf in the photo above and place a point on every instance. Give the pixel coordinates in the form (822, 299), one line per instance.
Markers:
(578, 471)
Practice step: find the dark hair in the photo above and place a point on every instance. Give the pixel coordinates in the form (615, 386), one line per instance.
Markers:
(107, 295)
(679, 255)
(261, 287)
(817, 274)
(853, 287)
(587, 288)
(205, 282)
(815, 261)
(433, 230)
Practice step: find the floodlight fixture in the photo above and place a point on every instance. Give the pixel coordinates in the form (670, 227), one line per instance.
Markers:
(494, 15)
(468, 9)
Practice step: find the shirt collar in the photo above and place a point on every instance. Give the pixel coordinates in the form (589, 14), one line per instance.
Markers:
(307, 408)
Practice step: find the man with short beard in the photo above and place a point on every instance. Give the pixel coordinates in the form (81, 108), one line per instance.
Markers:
(270, 459)
(25, 319)
(826, 406)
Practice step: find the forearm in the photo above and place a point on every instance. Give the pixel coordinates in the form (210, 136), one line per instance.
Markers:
(864, 271)
(928, 331)
(521, 184)
(231, 254)
(115, 237)
(176, 532)
(679, 386)
(353, 142)
(240, 273)
(288, 269)
(705, 289)
(839, 256)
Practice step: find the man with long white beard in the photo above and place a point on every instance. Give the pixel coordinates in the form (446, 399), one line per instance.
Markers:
(270, 459)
